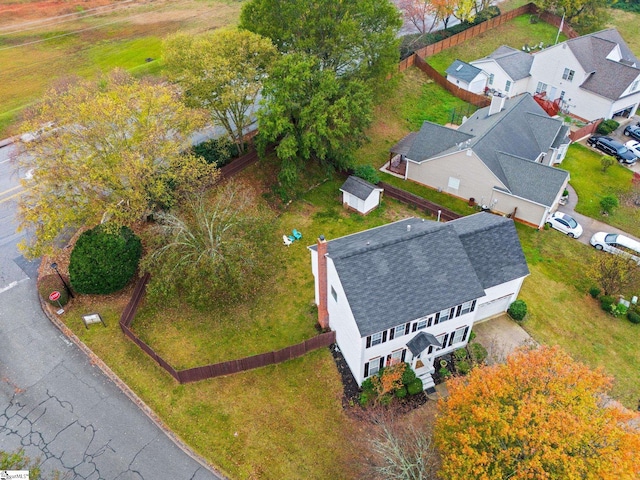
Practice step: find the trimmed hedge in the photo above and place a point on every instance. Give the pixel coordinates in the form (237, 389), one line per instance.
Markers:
(518, 310)
(607, 126)
(104, 260)
(415, 387)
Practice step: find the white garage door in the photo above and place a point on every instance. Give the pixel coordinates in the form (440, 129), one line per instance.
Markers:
(494, 307)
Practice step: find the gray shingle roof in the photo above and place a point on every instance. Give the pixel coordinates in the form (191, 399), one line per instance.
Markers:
(607, 78)
(533, 181)
(463, 71)
(421, 341)
(521, 130)
(422, 145)
(358, 187)
(392, 275)
(516, 63)
(561, 137)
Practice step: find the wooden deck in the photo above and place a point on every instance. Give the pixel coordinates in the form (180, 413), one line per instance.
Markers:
(398, 166)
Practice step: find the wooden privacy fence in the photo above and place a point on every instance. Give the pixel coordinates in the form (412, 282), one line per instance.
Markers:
(216, 369)
(411, 199)
(584, 131)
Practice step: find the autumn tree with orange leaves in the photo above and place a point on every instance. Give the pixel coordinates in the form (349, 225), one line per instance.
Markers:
(541, 415)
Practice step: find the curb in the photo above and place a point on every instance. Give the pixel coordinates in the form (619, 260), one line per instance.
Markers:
(124, 388)
(7, 142)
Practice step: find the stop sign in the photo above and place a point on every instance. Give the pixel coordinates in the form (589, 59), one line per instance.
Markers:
(53, 296)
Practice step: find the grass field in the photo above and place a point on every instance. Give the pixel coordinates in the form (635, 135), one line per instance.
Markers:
(514, 34)
(33, 55)
(591, 184)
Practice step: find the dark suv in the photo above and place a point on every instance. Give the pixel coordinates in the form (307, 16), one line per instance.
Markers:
(632, 131)
(614, 148)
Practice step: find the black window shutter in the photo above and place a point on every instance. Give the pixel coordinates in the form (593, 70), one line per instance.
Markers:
(381, 362)
(368, 342)
(430, 351)
(451, 338)
(466, 330)
(437, 318)
(415, 327)
(444, 341)
(384, 336)
(392, 333)
(404, 354)
(407, 328)
(473, 306)
(452, 312)
(458, 310)
(366, 370)
(430, 321)
(388, 359)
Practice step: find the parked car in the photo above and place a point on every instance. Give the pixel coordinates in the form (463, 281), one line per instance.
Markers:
(614, 148)
(632, 131)
(617, 244)
(634, 147)
(564, 223)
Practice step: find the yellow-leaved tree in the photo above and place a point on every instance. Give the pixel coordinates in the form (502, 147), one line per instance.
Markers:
(114, 149)
(541, 415)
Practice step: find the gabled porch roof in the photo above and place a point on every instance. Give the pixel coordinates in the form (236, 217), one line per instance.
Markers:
(421, 341)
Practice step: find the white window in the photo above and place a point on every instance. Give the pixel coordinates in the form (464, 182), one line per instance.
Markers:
(454, 183)
(542, 87)
(376, 338)
(507, 86)
(399, 331)
(562, 94)
(466, 307)
(422, 324)
(396, 357)
(634, 85)
(334, 294)
(459, 335)
(491, 79)
(444, 315)
(568, 74)
(440, 339)
(372, 368)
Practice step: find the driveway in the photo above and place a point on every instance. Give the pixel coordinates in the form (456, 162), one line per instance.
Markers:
(500, 336)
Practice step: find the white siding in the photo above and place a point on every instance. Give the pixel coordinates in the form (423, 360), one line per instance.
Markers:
(500, 78)
(530, 212)
(362, 206)
(372, 201)
(509, 291)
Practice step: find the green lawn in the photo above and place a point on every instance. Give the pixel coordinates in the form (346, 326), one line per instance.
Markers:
(516, 34)
(591, 184)
(561, 312)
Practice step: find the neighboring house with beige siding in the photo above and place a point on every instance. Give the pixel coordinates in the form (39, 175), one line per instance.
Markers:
(501, 157)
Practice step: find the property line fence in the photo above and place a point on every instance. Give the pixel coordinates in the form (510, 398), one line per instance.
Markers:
(411, 199)
(215, 369)
(584, 131)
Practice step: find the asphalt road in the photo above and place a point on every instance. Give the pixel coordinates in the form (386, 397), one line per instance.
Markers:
(53, 402)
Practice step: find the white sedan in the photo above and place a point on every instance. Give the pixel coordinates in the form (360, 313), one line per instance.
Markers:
(634, 147)
(564, 223)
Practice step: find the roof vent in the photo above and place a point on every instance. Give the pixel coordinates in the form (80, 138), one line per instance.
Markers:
(459, 67)
(408, 228)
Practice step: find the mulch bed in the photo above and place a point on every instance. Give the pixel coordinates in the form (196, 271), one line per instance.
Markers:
(351, 393)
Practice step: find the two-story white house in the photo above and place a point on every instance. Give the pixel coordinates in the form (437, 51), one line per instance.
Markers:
(595, 75)
(412, 290)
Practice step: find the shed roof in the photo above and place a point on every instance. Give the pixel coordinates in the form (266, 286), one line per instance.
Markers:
(358, 187)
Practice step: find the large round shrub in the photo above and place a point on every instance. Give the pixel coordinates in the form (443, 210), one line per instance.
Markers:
(103, 260)
(518, 310)
(415, 387)
(52, 283)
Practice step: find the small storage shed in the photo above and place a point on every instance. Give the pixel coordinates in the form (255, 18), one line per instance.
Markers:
(360, 195)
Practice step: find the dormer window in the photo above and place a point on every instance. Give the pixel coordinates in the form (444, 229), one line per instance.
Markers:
(568, 74)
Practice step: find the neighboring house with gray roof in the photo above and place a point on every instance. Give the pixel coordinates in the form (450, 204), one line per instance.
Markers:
(501, 157)
(467, 76)
(506, 70)
(412, 290)
(360, 195)
(595, 76)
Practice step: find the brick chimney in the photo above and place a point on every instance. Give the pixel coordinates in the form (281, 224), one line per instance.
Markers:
(323, 313)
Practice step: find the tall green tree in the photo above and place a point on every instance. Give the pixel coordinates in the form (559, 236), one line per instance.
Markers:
(221, 72)
(312, 114)
(218, 248)
(540, 415)
(356, 38)
(584, 15)
(112, 149)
